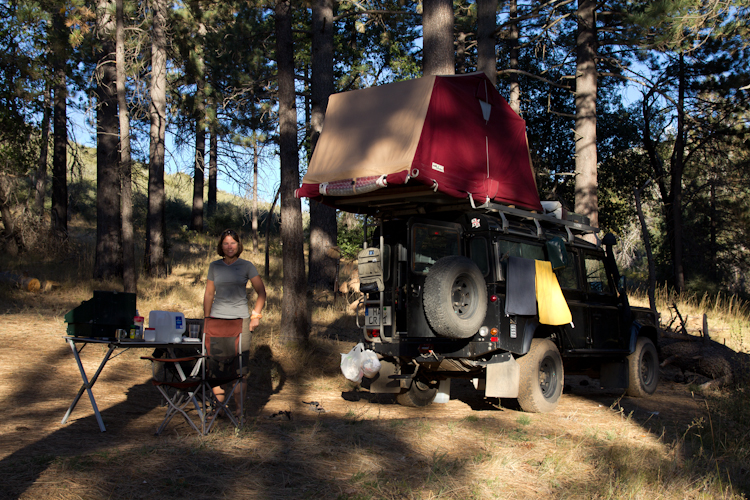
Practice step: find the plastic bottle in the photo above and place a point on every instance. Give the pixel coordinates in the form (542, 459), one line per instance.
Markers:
(138, 323)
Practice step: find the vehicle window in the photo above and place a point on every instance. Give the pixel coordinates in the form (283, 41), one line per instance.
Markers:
(596, 275)
(478, 253)
(514, 249)
(430, 244)
(568, 275)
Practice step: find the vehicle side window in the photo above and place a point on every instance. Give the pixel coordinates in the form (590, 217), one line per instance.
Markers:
(596, 276)
(478, 253)
(568, 275)
(430, 244)
(514, 249)
(507, 249)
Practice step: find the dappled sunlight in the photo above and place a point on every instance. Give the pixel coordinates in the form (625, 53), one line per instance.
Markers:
(591, 446)
(310, 432)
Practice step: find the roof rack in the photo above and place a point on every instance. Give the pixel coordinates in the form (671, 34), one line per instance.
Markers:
(399, 201)
(571, 227)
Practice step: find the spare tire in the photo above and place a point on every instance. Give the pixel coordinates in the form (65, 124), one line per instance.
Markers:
(455, 297)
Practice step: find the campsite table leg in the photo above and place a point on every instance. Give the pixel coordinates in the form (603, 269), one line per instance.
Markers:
(87, 385)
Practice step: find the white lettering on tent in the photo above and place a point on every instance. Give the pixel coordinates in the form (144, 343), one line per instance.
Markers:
(438, 167)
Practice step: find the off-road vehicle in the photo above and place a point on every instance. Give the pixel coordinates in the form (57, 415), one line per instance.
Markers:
(466, 275)
(435, 294)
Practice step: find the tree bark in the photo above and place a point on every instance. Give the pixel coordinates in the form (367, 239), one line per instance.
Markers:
(129, 277)
(269, 221)
(438, 51)
(586, 202)
(323, 229)
(213, 166)
(60, 48)
(254, 215)
(40, 183)
(199, 173)
(156, 222)
(678, 167)
(513, 47)
(486, 26)
(649, 255)
(294, 320)
(199, 167)
(108, 256)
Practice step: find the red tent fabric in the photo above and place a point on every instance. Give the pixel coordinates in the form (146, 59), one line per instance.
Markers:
(455, 133)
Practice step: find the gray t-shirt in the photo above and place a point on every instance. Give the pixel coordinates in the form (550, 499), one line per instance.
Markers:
(230, 299)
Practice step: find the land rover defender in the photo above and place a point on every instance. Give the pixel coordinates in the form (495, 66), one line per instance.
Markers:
(435, 295)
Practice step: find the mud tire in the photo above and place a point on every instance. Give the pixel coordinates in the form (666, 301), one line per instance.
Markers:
(542, 377)
(455, 297)
(643, 369)
(418, 395)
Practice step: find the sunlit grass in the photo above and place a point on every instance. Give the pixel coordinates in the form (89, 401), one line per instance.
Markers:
(358, 455)
(728, 316)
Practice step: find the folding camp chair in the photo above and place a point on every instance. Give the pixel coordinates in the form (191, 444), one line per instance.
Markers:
(223, 366)
(179, 390)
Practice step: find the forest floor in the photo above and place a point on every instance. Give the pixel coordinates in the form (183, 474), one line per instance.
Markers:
(596, 444)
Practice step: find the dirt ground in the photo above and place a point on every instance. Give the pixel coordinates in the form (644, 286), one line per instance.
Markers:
(40, 379)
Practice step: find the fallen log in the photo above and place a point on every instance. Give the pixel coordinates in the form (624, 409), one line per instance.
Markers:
(24, 282)
(717, 362)
(27, 283)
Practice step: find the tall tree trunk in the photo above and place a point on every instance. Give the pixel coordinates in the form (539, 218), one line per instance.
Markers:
(713, 244)
(11, 242)
(486, 26)
(129, 277)
(647, 245)
(60, 47)
(438, 51)
(323, 229)
(269, 222)
(254, 215)
(513, 47)
(585, 134)
(156, 222)
(199, 170)
(294, 321)
(213, 168)
(678, 167)
(40, 183)
(669, 182)
(108, 256)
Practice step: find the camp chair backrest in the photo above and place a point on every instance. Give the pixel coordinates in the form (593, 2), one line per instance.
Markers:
(222, 337)
(222, 343)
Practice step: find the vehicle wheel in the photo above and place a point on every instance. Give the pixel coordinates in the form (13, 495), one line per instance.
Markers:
(455, 297)
(643, 369)
(418, 395)
(542, 377)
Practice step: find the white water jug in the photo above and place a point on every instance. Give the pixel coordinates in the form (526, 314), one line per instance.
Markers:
(169, 325)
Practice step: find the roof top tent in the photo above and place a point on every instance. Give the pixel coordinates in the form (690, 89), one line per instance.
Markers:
(432, 140)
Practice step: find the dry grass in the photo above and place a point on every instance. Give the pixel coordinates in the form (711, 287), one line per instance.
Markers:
(728, 315)
(596, 445)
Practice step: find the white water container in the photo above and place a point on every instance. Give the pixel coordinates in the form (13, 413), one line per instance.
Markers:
(169, 325)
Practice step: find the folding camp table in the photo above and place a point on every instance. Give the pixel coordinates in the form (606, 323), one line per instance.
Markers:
(112, 345)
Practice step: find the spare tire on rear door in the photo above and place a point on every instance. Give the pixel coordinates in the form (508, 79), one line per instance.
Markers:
(455, 297)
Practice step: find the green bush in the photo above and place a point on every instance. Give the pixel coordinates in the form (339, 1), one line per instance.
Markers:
(350, 240)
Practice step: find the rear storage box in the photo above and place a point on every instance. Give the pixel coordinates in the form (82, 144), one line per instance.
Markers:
(102, 315)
